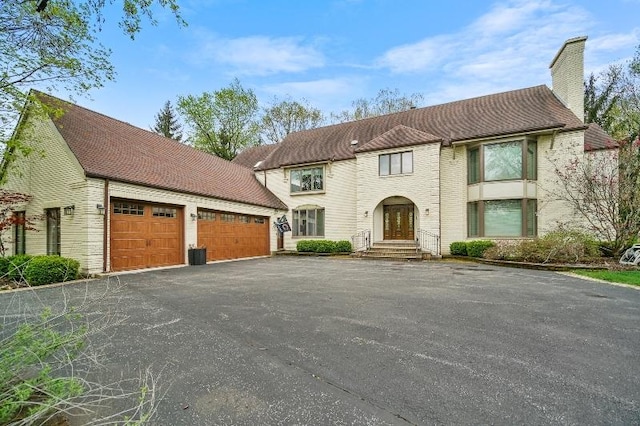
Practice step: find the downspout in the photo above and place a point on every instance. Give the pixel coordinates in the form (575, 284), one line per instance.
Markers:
(105, 233)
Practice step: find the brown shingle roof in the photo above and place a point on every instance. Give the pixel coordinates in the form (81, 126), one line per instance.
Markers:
(397, 137)
(250, 156)
(596, 138)
(112, 149)
(525, 110)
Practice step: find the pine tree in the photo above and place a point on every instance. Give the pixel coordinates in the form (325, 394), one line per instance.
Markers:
(167, 123)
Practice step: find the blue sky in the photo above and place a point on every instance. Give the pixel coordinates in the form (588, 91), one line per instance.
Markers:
(335, 51)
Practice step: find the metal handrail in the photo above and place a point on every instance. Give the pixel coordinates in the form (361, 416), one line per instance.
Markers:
(362, 240)
(428, 241)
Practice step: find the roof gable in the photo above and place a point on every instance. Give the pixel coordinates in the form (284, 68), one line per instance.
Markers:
(249, 157)
(111, 149)
(399, 136)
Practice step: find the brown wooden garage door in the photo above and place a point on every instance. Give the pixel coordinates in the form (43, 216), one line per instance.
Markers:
(145, 235)
(232, 236)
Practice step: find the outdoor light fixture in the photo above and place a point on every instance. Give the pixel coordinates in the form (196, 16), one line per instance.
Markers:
(193, 216)
(68, 211)
(426, 212)
(366, 213)
(100, 208)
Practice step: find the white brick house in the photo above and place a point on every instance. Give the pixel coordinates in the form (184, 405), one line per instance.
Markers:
(476, 168)
(116, 197)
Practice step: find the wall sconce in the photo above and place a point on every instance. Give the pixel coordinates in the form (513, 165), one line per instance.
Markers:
(426, 212)
(68, 211)
(194, 216)
(366, 213)
(100, 208)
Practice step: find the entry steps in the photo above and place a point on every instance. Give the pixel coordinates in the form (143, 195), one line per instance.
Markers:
(394, 249)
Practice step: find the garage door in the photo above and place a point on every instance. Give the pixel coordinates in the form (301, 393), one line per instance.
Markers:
(145, 235)
(232, 236)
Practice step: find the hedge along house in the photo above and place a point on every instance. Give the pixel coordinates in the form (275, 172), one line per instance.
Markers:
(476, 168)
(116, 197)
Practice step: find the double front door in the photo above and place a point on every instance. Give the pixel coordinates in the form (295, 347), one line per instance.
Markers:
(398, 222)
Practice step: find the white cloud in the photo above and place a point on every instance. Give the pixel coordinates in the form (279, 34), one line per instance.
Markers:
(614, 42)
(259, 55)
(511, 32)
(326, 94)
(311, 89)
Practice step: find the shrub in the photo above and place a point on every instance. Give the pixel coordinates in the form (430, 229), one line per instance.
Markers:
(50, 269)
(561, 246)
(504, 250)
(4, 266)
(458, 248)
(323, 246)
(17, 265)
(343, 246)
(477, 248)
(305, 245)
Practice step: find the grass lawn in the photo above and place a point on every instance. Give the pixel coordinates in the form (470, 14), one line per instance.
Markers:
(625, 277)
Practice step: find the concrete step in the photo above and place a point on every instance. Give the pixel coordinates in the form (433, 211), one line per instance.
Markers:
(395, 243)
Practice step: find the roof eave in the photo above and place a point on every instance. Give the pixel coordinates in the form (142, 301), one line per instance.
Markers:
(523, 132)
(281, 205)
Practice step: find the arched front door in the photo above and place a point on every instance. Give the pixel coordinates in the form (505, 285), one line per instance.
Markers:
(398, 222)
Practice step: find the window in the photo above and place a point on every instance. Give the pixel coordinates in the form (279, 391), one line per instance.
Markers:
(502, 218)
(512, 160)
(307, 180)
(258, 220)
(227, 217)
(128, 208)
(53, 231)
(19, 238)
(164, 212)
(206, 215)
(308, 222)
(395, 164)
(243, 219)
(473, 165)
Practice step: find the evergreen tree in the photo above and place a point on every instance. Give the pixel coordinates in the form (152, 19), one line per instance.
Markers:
(167, 123)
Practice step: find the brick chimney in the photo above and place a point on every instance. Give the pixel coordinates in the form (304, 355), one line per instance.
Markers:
(567, 75)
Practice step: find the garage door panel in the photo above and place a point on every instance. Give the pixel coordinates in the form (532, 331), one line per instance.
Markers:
(142, 239)
(232, 236)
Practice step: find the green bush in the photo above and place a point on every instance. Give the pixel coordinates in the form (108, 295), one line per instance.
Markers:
(4, 266)
(477, 248)
(343, 246)
(458, 248)
(323, 246)
(50, 269)
(305, 245)
(17, 265)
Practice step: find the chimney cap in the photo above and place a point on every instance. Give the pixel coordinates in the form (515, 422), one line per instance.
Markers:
(566, 43)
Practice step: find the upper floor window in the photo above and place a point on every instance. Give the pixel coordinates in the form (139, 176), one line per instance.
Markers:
(395, 164)
(513, 160)
(306, 180)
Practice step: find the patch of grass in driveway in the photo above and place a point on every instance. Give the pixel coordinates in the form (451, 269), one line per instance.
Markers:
(624, 277)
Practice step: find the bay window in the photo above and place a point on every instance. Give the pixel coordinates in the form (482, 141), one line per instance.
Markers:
(502, 218)
(513, 160)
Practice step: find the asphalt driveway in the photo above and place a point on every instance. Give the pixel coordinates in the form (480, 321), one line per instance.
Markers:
(303, 340)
